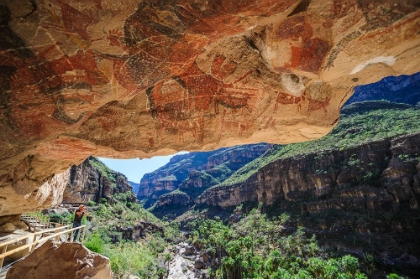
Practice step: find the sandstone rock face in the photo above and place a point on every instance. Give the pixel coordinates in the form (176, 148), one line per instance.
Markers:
(86, 183)
(173, 199)
(65, 260)
(25, 197)
(332, 175)
(194, 172)
(137, 231)
(230, 195)
(182, 165)
(144, 78)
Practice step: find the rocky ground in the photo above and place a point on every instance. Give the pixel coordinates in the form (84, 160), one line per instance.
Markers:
(186, 263)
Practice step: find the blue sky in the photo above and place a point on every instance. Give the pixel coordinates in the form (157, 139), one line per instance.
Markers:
(134, 169)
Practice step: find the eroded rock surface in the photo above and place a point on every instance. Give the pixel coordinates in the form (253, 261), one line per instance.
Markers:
(144, 78)
(87, 183)
(65, 260)
(190, 174)
(383, 174)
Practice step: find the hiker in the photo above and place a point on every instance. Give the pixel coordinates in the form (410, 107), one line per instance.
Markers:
(77, 222)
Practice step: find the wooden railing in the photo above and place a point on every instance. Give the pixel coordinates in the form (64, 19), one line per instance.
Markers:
(38, 222)
(56, 233)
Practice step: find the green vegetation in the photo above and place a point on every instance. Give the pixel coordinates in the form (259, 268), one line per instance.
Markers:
(95, 243)
(356, 127)
(65, 218)
(175, 192)
(257, 247)
(138, 259)
(223, 171)
(144, 258)
(103, 169)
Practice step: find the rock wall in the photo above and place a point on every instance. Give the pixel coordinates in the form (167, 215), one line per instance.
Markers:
(87, 183)
(146, 78)
(401, 89)
(377, 175)
(194, 172)
(24, 198)
(173, 199)
(134, 233)
(233, 195)
(168, 179)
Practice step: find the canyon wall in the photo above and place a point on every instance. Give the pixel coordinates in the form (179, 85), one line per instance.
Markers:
(372, 176)
(87, 182)
(144, 78)
(195, 172)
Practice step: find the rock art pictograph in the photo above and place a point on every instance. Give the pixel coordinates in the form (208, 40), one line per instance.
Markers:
(144, 78)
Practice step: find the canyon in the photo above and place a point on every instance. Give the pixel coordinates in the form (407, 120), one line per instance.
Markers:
(196, 170)
(147, 78)
(357, 197)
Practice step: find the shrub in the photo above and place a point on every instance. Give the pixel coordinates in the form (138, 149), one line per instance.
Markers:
(91, 203)
(95, 243)
(394, 276)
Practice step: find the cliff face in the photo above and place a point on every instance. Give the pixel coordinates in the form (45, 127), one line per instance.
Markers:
(135, 186)
(173, 199)
(87, 183)
(145, 78)
(371, 176)
(169, 177)
(401, 89)
(194, 172)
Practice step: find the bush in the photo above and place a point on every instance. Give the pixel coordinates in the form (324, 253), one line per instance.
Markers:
(132, 258)
(95, 243)
(394, 276)
(91, 203)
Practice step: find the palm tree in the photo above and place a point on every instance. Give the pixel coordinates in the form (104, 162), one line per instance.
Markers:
(168, 258)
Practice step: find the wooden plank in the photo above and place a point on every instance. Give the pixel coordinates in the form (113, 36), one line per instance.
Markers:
(13, 240)
(2, 259)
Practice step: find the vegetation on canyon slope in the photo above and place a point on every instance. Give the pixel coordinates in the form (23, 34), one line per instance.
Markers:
(144, 258)
(110, 231)
(258, 247)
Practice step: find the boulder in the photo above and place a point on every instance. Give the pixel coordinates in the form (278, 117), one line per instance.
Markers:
(61, 260)
(189, 250)
(8, 227)
(199, 264)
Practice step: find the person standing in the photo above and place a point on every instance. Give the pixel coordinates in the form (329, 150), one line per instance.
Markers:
(77, 221)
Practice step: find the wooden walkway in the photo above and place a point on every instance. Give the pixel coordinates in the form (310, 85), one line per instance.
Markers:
(14, 246)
